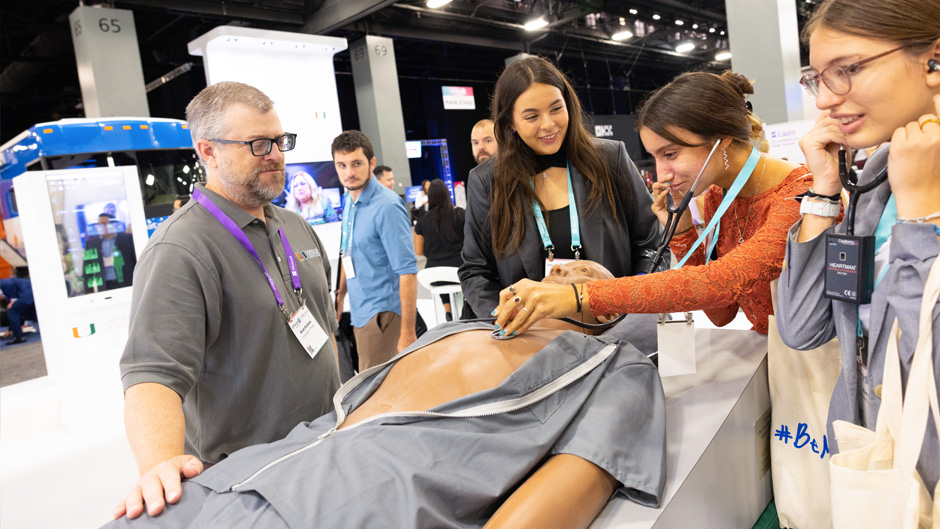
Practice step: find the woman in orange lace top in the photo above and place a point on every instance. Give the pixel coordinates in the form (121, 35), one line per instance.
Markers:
(679, 124)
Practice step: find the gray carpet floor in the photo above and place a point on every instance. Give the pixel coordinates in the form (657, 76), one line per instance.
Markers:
(22, 362)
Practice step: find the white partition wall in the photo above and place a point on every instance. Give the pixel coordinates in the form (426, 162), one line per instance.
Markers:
(83, 230)
(296, 71)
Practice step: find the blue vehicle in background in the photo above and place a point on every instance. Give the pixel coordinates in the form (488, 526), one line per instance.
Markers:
(161, 149)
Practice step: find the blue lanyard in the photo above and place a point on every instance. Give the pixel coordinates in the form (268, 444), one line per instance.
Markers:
(240, 236)
(349, 222)
(572, 213)
(888, 218)
(732, 193)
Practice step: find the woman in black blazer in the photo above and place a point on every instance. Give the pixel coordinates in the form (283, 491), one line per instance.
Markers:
(546, 158)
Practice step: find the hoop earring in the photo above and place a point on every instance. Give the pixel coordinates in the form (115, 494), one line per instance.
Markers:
(724, 153)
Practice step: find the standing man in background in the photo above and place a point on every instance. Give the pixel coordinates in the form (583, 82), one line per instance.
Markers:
(383, 174)
(483, 140)
(231, 311)
(379, 267)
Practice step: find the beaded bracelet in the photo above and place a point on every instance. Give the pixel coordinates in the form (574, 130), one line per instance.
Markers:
(922, 220)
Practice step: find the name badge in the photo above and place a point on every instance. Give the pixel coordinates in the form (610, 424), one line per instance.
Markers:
(308, 332)
(107, 261)
(550, 263)
(676, 340)
(348, 267)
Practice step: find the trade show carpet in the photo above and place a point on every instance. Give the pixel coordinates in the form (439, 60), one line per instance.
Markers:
(23, 361)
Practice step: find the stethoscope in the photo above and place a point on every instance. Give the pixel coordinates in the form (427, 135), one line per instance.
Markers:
(675, 213)
(849, 178)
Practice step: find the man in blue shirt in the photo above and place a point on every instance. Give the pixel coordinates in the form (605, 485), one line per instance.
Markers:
(18, 293)
(379, 268)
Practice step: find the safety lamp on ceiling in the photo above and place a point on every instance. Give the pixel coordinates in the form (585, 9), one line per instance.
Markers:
(533, 25)
(685, 47)
(723, 56)
(434, 4)
(622, 35)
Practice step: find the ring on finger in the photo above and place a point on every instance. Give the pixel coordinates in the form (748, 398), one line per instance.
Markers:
(517, 299)
(512, 289)
(527, 310)
(926, 121)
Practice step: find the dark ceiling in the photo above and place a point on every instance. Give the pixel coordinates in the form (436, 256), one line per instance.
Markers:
(466, 40)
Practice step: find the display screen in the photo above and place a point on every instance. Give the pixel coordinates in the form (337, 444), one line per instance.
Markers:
(313, 191)
(92, 219)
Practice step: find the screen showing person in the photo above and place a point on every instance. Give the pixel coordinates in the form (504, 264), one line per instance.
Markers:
(312, 191)
(96, 241)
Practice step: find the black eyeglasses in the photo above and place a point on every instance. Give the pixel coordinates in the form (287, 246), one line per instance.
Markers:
(262, 146)
(838, 78)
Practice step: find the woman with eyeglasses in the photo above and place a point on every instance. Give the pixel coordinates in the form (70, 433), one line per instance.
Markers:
(876, 79)
(700, 123)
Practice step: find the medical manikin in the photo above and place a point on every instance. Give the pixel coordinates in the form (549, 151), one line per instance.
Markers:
(459, 430)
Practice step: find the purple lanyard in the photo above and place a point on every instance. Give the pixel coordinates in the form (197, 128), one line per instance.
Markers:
(239, 235)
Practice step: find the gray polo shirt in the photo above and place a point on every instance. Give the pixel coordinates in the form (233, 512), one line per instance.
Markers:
(205, 323)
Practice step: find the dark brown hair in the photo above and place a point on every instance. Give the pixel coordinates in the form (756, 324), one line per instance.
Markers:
(708, 105)
(349, 141)
(441, 210)
(515, 164)
(915, 23)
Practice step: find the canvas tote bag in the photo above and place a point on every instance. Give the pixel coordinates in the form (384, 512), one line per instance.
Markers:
(874, 483)
(801, 384)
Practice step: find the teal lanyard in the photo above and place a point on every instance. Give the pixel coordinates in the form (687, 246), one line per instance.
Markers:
(349, 221)
(575, 227)
(888, 218)
(715, 223)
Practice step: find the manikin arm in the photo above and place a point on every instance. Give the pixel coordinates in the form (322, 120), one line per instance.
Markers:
(566, 492)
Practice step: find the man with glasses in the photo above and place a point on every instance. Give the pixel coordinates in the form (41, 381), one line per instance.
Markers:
(231, 313)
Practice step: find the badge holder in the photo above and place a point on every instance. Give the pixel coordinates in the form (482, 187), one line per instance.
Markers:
(676, 340)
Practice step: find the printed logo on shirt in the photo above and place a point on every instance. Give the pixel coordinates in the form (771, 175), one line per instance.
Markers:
(308, 254)
(91, 327)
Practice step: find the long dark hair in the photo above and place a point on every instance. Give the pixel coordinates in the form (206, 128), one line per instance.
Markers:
(708, 105)
(515, 163)
(441, 210)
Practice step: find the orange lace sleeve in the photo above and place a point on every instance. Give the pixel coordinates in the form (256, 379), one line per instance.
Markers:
(741, 275)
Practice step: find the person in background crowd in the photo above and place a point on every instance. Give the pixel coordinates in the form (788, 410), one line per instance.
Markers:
(18, 296)
(439, 233)
(385, 176)
(483, 141)
(379, 267)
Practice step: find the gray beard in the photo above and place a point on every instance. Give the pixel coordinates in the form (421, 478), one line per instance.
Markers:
(255, 194)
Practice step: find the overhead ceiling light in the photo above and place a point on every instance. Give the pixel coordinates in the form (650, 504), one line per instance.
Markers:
(633, 11)
(680, 22)
(685, 47)
(623, 21)
(621, 35)
(723, 56)
(694, 26)
(711, 30)
(722, 32)
(533, 25)
(656, 17)
(437, 3)
(150, 180)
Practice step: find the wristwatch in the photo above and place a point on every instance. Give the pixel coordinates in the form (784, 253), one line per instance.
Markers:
(819, 208)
